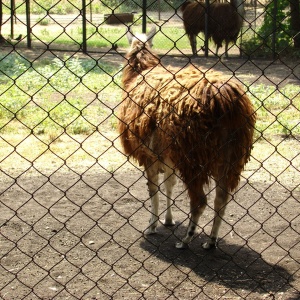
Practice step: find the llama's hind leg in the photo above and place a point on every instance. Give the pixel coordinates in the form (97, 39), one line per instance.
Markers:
(152, 177)
(169, 181)
(193, 42)
(198, 201)
(221, 200)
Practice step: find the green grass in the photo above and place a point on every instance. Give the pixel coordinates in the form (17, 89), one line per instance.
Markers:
(61, 7)
(78, 96)
(104, 36)
(278, 110)
(56, 95)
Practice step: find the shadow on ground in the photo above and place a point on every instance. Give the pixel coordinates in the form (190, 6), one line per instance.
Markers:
(232, 266)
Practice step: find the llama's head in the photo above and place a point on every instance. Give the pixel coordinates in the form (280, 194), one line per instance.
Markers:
(140, 56)
(141, 38)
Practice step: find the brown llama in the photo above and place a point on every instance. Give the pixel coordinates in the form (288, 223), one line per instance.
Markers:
(187, 121)
(225, 21)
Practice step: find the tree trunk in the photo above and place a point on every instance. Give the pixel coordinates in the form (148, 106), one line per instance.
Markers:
(2, 40)
(295, 21)
(1, 16)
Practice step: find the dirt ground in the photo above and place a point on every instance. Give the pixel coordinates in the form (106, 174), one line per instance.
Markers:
(72, 225)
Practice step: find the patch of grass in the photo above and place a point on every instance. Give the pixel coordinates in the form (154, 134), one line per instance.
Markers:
(103, 36)
(278, 110)
(61, 7)
(174, 38)
(55, 96)
(78, 96)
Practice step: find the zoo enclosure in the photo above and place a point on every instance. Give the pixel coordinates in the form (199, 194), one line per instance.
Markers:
(73, 208)
(89, 21)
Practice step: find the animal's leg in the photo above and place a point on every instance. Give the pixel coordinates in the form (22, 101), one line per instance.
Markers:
(170, 181)
(152, 176)
(193, 42)
(217, 50)
(198, 202)
(221, 200)
(226, 49)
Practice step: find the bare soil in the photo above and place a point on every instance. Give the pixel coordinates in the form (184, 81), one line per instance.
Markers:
(72, 219)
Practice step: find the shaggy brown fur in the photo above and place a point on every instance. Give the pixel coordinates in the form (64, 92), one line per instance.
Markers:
(224, 21)
(198, 122)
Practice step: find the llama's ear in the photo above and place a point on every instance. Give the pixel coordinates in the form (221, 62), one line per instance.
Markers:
(151, 35)
(129, 35)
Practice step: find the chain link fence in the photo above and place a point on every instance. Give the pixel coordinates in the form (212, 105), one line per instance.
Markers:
(74, 207)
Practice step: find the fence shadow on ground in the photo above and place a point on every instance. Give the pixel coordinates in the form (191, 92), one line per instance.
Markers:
(236, 267)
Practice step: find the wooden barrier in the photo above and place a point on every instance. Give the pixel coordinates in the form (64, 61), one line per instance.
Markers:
(119, 18)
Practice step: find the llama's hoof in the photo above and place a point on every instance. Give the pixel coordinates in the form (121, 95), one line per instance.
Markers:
(181, 245)
(150, 231)
(169, 222)
(209, 246)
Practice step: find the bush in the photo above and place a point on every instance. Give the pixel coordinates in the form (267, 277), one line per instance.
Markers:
(262, 43)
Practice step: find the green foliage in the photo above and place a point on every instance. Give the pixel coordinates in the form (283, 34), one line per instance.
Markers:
(279, 23)
(282, 25)
(44, 21)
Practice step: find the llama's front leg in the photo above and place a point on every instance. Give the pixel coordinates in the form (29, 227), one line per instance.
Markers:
(152, 176)
(198, 201)
(170, 181)
(221, 200)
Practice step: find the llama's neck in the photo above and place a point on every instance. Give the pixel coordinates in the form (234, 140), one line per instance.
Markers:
(139, 59)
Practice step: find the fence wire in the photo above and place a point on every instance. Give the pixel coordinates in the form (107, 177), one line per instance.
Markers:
(74, 208)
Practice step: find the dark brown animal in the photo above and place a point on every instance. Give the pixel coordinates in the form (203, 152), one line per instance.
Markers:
(224, 22)
(196, 122)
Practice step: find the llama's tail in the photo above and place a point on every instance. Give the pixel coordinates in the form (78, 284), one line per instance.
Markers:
(233, 117)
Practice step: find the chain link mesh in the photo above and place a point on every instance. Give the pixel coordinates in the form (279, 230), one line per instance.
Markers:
(73, 207)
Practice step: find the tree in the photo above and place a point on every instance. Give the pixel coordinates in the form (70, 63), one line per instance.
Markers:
(2, 40)
(295, 21)
(280, 30)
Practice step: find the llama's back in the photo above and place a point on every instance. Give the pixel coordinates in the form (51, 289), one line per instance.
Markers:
(193, 15)
(225, 21)
(220, 28)
(201, 121)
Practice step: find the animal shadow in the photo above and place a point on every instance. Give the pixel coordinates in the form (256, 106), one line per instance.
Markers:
(237, 267)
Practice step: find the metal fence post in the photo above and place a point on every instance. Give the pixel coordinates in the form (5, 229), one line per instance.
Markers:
(83, 13)
(144, 22)
(28, 25)
(275, 11)
(206, 27)
(12, 14)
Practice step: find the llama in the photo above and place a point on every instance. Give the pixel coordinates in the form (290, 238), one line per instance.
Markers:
(224, 22)
(196, 124)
